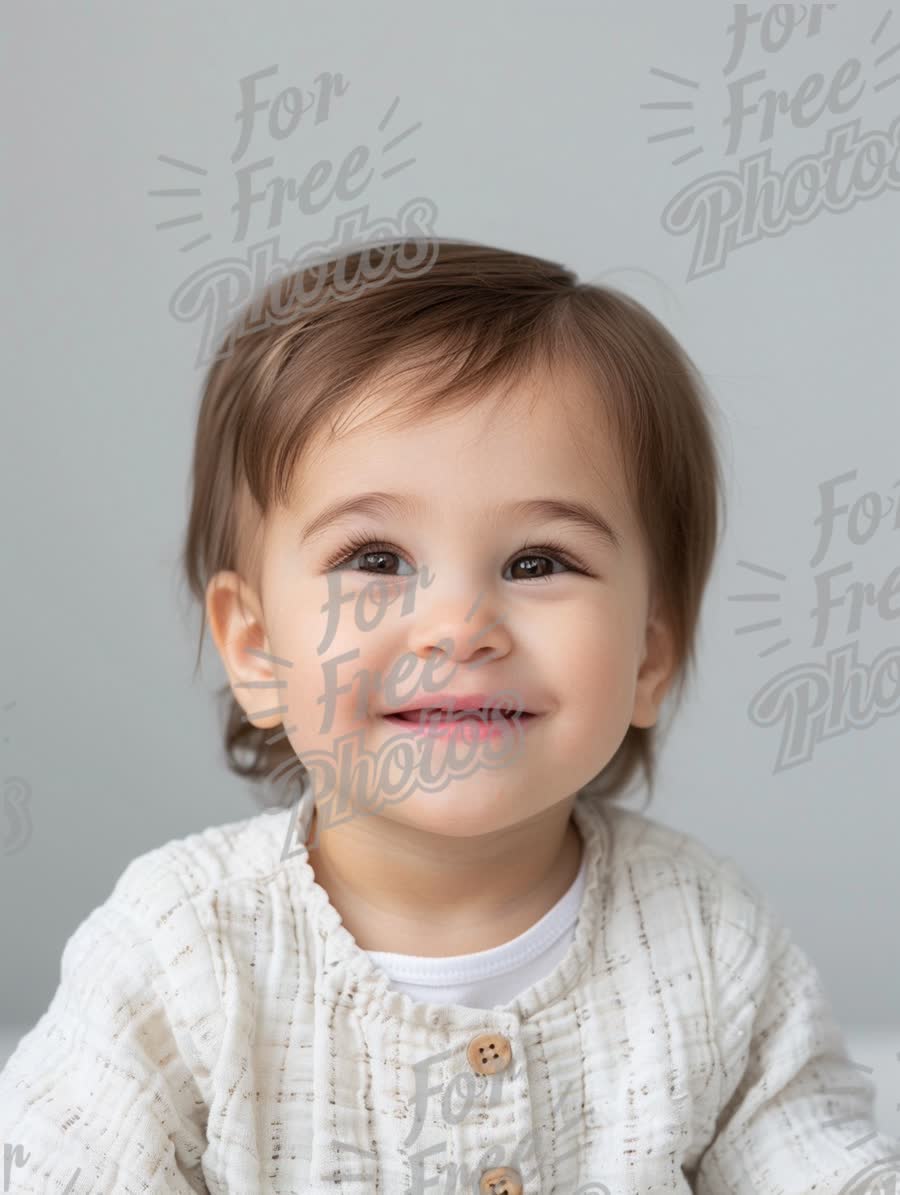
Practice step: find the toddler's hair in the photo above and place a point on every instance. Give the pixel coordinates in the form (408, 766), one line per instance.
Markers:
(475, 318)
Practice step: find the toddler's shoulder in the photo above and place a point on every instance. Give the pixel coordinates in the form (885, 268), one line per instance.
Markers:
(637, 837)
(161, 921)
(200, 862)
(679, 890)
(654, 858)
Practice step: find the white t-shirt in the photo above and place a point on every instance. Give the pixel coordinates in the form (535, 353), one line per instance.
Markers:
(490, 978)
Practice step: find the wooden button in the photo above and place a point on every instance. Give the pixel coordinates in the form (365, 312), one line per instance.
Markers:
(502, 1181)
(489, 1053)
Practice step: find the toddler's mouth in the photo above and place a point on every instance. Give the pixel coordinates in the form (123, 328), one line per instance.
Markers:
(439, 716)
(467, 716)
(470, 724)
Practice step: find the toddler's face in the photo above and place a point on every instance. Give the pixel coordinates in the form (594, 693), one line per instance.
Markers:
(447, 598)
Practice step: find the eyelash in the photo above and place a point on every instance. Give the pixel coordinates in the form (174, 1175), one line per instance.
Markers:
(550, 548)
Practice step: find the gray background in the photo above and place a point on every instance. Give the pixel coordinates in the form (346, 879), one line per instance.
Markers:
(531, 136)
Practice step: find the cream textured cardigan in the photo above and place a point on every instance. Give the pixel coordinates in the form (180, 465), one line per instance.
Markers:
(217, 1028)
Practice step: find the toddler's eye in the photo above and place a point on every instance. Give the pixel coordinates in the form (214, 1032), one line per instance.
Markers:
(375, 558)
(533, 560)
(374, 555)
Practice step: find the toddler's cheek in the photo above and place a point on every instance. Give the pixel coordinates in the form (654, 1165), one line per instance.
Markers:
(324, 703)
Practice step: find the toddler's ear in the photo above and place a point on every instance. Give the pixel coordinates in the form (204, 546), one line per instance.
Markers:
(235, 619)
(657, 670)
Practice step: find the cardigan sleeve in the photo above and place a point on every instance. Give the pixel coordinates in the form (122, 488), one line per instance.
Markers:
(98, 1095)
(796, 1114)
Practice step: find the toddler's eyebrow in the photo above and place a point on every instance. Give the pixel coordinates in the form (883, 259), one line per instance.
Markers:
(379, 504)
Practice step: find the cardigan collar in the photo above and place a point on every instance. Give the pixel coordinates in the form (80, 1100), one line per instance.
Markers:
(346, 973)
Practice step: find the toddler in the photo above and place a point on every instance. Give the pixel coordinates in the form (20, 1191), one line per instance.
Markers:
(453, 514)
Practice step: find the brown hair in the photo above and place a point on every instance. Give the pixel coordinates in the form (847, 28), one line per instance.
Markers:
(479, 317)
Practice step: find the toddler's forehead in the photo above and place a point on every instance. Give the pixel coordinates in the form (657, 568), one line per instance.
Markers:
(561, 462)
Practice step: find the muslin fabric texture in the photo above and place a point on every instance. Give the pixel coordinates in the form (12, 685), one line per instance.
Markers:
(217, 1028)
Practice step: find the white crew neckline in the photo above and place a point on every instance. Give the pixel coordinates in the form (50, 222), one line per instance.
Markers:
(509, 956)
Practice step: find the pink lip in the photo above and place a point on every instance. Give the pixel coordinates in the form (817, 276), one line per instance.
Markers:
(455, 725)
